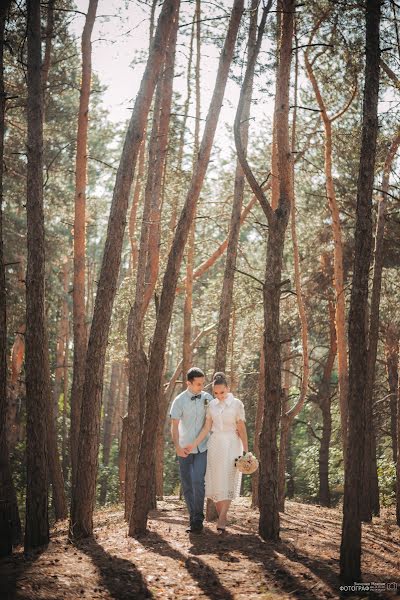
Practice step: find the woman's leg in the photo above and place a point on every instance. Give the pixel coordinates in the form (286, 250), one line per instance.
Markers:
(223, 512)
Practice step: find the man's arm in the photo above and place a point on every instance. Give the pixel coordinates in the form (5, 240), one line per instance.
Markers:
(175, 438)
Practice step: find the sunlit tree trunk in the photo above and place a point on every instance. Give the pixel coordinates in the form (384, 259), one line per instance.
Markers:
(148, 262)
(370, 495)
(188, 304)
(350, 550)
(338, 281)
(81, 162)
(225, 306)
(83, 495)
(289, 414)
(392, 364)
(138, 521)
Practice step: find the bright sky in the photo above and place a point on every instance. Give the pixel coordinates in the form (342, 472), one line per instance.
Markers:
(118, 37)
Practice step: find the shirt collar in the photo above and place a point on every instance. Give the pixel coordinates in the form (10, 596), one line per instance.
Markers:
(228, 401)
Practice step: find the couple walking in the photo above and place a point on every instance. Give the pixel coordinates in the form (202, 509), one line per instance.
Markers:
(208, 433)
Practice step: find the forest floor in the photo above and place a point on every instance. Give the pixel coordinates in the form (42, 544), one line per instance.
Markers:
(168, 563)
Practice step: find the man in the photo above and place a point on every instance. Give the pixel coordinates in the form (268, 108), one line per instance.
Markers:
(188, 412)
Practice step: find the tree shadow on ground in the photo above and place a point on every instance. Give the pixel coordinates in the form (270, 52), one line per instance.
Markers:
(121, 577)
(13, 569)
(205, 576)
(267, 554)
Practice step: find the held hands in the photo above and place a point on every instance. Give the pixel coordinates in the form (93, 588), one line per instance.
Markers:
(183, 452)
(189, 448)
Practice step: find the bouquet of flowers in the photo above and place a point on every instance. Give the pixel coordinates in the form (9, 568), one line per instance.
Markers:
(247, 463)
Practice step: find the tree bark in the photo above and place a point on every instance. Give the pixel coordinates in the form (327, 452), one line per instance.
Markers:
(83, 496)
(138, 521)
(338, 280)
(392, 365)
(37, 383)
(370, 495)
(225, 306)
(350, 550)
(289, 414)
(255, 480)
(10, 526)
(277, 220)
(324, 401)
(148, 260)
(79, 312)
(188, 304)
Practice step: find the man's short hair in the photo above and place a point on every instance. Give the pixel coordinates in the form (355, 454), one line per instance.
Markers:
(193, 373)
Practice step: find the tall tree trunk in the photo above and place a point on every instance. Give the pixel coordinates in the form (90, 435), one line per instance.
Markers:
(350, 550)
(370, 495)
(255, 480)
(83, 495)
(324, 401)
(277, 223)
(225, 306)
(10, 526)
(79, 313)
(37, 383)
(56, 476)
(392, 365)
(188, 304)
(148, 260)
(181, 145)
(138, 520)
(109, 411)
(47, 53)
(338, 279)
(289, 414)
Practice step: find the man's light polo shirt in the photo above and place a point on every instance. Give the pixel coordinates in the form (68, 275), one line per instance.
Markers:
(191, 415)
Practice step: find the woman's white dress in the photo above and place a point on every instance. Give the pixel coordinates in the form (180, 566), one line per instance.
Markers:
(222, 478)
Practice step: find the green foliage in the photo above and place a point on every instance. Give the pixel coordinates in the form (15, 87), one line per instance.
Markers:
(387, 481)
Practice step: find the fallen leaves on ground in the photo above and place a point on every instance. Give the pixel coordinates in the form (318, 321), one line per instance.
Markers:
(168, 563)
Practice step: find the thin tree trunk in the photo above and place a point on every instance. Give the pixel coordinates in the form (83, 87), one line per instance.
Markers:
(338, 279)
(324, 401)
(148, 260)
(277, 220)
(10, 526)
(255, 481)
(139, 513)
(370, 495)
(350, 550)
(64, 433)
(62, 335)
(188, 304)
(392, 365)
(83, 496)
(225, 306)
(288, 415)
(79, 314)
(179, 162)
(109, 410)
(37, 384)
(47, 53)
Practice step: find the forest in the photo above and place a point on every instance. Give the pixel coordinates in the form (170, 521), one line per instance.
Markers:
(233, 204)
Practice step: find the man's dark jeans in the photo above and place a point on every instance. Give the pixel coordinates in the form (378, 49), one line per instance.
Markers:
(193, 470)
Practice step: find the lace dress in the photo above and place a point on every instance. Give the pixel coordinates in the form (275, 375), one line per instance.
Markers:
(222, 478)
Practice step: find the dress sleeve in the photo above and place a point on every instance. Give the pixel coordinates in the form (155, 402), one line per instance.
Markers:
(240, 416)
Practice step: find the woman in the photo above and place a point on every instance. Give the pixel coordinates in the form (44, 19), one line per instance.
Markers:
(226, 420)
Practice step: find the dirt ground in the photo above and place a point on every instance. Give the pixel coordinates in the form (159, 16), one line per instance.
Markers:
(168, 563)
